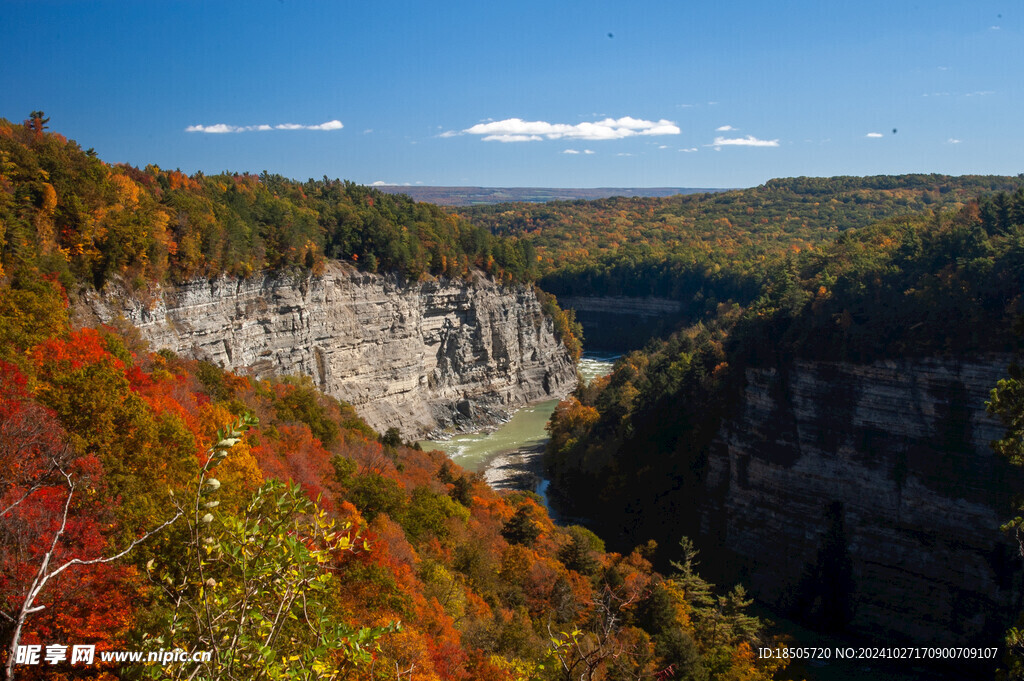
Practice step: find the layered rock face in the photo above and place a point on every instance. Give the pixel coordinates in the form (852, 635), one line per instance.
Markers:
(418, 356)
(623, 323)
(643, 308)
(868, 496)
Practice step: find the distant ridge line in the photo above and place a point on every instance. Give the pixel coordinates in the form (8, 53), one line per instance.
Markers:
(471, 196)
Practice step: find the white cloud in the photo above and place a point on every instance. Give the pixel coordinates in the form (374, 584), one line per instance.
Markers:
(588, 151)
(952, 140)
(748, 141)
(689, 151)
(518, 130)
(513, 138)
(329, 125)
(216, 129)
(980, 93)
(623, 153)
(220, 128)
(663, 146)
(570, 151)
(874, 134)
(381, 183)
(449, 133)
(724, 128)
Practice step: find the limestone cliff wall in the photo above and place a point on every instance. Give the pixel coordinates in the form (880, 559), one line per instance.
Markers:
(623, 305)
(414, 355)
(623, 323)
(869, 494)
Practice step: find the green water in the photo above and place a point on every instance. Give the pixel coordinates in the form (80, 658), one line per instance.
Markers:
(473, 451)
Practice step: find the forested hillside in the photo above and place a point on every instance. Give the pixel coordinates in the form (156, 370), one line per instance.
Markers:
(66, 212)
(946, 284)
(472, 196)
(149, 502)
(788, 212)
(702, 249)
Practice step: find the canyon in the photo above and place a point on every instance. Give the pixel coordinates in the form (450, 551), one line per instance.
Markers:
(861, 497)
(419, 356)
(866, 497)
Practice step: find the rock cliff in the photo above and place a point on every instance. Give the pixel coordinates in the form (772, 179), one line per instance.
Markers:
(623, 323)
(867, 496)
(418, 356)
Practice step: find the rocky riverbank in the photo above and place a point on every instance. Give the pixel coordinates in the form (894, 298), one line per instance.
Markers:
(521, 469)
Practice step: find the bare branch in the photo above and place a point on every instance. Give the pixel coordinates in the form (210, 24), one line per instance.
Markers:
(44, 575)
(110, 559)
(24, 496)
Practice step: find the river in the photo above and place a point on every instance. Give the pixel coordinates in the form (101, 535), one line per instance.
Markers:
(509, 456)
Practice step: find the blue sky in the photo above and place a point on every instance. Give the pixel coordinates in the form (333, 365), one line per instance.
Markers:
(557, 94)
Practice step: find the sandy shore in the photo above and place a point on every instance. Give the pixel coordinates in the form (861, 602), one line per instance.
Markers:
(519, 469)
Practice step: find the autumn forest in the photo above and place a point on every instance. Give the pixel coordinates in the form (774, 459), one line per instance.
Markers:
(151, 501)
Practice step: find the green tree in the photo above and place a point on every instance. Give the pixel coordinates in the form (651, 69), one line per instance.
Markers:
(1007, 403)
(373, 494)
(428, 513)
(36, 122)
(580, 554)
(255, 589)
(520, 528)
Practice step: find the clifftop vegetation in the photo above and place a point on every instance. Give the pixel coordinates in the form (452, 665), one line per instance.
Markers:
(787, 213)
(706, 249)
(65, 212)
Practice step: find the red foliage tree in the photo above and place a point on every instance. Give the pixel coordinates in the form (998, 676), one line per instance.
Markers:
(45, 527)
